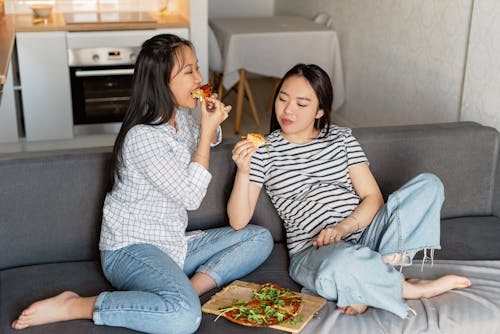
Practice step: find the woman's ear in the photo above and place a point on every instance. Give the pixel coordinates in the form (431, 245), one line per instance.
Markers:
(319, 113)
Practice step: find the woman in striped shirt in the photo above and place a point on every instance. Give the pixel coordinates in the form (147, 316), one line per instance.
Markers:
(342, 240)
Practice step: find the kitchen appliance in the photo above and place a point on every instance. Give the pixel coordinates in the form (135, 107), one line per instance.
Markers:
(101, 79)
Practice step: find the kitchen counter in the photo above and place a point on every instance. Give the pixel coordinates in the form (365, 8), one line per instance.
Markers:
(12, 23)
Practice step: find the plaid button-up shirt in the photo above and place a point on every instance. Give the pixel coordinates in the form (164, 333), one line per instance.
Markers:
(159, 183)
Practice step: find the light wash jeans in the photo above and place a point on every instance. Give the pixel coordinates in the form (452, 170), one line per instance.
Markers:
(355, 273)
(156, 296)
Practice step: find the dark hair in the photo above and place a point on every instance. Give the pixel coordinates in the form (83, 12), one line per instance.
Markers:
(151, 100)
(322, 86)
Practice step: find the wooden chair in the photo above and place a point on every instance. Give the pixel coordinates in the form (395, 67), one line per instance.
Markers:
(215, 64)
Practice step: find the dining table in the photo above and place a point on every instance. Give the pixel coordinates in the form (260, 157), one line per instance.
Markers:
(270, 46)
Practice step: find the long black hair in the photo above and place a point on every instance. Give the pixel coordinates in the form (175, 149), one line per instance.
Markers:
(322, 86)
(151, 100)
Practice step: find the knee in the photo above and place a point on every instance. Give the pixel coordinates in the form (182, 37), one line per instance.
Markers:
(189, 321)
(263, 237)
(341, 261)
(432, 185)
(185, 321)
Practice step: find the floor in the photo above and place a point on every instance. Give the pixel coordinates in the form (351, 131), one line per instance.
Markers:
(261, 89)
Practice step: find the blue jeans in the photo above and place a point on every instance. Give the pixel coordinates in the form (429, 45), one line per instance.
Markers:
(156, 296)
(355, 273)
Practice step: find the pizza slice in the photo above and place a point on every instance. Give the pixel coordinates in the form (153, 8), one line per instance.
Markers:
(202, 92)
(256, 138)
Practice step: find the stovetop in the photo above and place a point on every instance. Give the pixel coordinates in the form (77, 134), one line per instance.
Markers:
(108, 17)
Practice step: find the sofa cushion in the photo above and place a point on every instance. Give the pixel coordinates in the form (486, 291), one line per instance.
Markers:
(464, 155)
(496, 195)
(472, 310)
(19, 287)
(470, 238)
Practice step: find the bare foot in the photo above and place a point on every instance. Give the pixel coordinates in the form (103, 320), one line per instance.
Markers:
(419, 288)
(353, 309)
(393, 259)
(65, 306)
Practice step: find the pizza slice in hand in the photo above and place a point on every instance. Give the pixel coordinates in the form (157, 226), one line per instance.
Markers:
(256, 138)
(202, 92)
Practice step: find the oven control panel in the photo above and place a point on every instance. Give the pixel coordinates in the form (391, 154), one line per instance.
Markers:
(102, 56)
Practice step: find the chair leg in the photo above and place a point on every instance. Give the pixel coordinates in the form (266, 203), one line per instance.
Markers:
(270, 101)
(220, 88)
(239, 101)
(248, 91)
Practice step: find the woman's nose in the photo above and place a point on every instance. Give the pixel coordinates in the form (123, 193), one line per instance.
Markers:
(198, 77)
(287, 109)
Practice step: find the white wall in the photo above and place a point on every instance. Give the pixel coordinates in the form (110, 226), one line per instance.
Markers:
(226, 8)
(405, 61)
(481, 99)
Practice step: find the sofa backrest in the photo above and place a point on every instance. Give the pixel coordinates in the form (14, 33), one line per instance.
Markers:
(51, 206)
(51, 203)
(464, 155)
(212, 212)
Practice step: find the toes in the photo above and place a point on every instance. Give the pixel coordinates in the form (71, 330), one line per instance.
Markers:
(18, 325)
(466, 283)
(342, 308)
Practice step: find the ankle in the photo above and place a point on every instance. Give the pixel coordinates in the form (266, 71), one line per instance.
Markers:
(81, 307)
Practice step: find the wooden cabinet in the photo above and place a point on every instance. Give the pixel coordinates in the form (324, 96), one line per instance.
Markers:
(45, 85)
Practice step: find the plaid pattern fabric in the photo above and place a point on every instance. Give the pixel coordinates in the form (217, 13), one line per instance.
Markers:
(159, 183)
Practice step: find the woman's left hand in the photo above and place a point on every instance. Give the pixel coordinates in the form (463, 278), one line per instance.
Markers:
(330, 235)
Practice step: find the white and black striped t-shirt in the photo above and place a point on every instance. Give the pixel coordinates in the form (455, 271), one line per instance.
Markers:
(309, 184)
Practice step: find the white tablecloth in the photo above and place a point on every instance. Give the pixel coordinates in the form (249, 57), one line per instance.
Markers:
(271, 45)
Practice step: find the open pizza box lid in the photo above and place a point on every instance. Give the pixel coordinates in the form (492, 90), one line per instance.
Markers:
(239, 290)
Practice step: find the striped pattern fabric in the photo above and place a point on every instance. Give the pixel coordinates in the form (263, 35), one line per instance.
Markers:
(309, 184)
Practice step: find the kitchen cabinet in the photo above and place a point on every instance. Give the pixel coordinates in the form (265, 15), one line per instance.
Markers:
(45, 74)
(117, 38)
(8, 116)
(45, 85)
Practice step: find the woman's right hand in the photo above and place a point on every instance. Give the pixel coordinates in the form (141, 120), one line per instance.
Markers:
(242, 153)
(213, 113)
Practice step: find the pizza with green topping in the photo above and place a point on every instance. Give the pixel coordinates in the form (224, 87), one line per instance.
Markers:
(270, 305)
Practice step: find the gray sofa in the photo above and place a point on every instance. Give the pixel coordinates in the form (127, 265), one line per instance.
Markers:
(50, 212)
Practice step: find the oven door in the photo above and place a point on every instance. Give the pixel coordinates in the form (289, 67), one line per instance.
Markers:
(100, 94)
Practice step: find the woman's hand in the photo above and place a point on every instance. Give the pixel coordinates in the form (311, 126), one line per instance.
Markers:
(242, 153)
(213, 113)
(330, 235)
